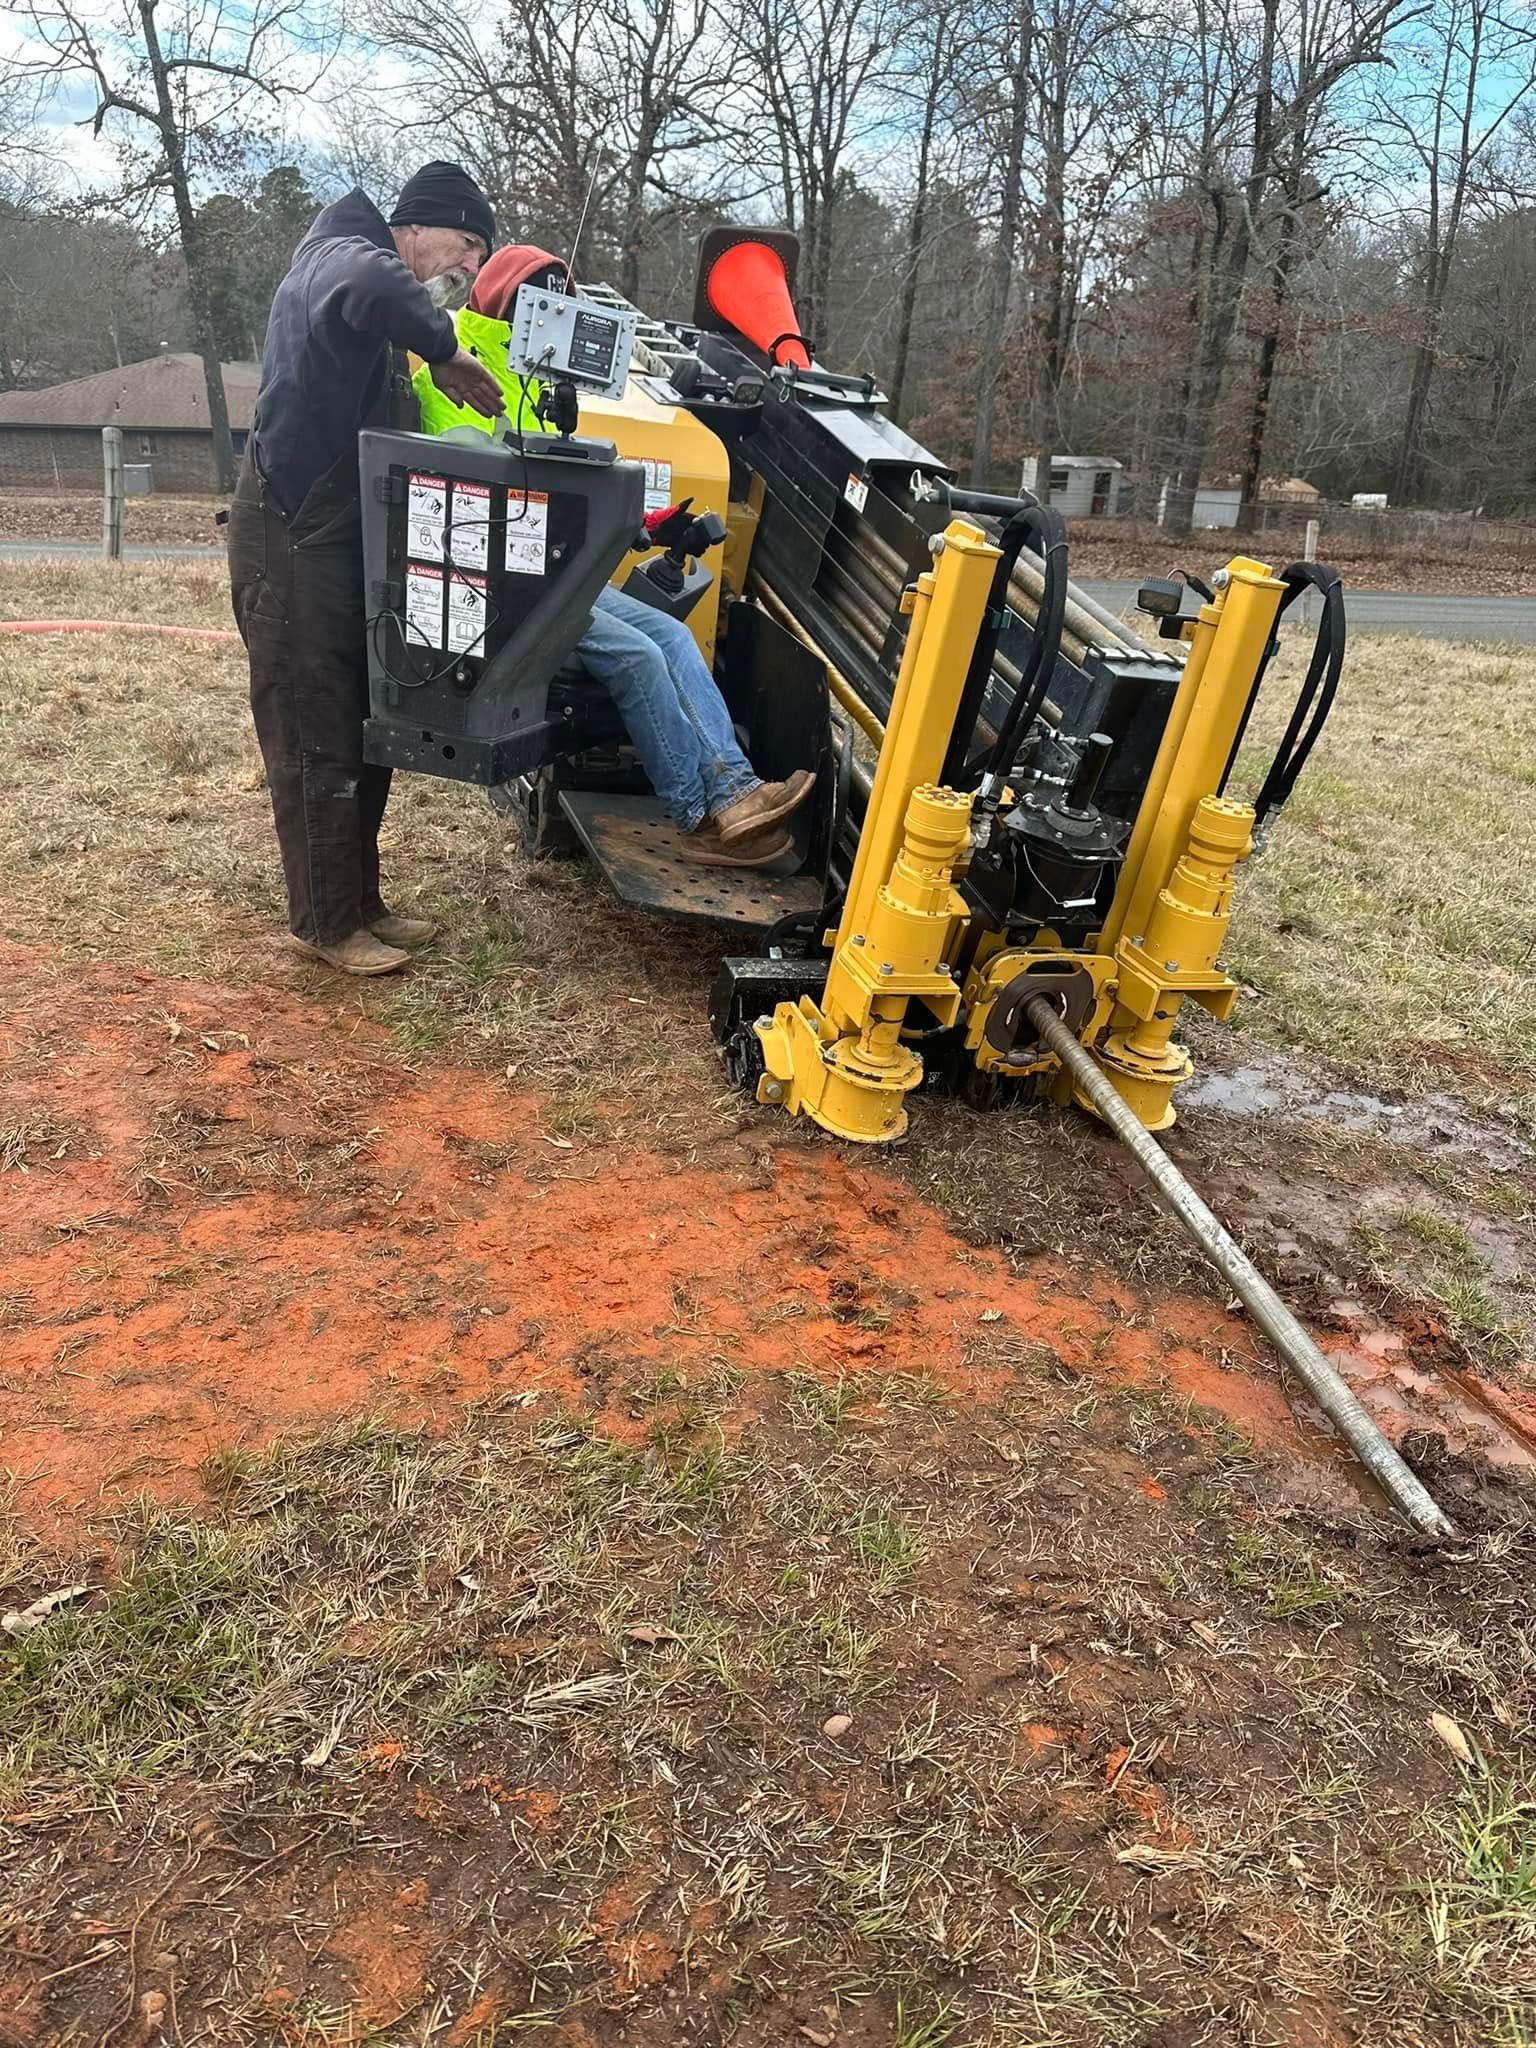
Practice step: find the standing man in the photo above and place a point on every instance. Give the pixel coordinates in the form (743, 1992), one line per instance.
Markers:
(357, 287)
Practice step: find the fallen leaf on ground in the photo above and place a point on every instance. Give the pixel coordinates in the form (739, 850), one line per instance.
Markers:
(325, 1748)
(643, 1632)
(149, 2021)
(1450, 1734)
(1153, 1862)
(23, 1622)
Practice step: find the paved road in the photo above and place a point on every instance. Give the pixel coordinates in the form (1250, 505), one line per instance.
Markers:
(1370, 611)
(38, 550)
(1395, 611)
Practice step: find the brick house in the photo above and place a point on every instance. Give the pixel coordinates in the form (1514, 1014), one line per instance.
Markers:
(51, 439)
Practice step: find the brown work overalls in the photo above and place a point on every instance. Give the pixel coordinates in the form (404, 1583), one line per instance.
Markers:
(297, 585)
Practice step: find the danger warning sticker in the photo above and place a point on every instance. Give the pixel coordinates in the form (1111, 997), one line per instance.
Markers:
(527, 532)
(469, 537)
(426, 515)
(466, 614)
(423, 606)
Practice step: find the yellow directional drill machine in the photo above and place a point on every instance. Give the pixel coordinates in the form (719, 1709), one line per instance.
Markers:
(1018, 797)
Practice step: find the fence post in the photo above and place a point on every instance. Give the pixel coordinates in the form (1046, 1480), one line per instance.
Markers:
(112, 493)
(1309, 545)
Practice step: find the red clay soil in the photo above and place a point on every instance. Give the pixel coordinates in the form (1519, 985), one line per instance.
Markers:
(234, 1214)
(226, 1215)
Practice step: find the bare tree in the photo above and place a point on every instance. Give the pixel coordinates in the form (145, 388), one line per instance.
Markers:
(1305, 50)
(174, 86)
(822, 68)
(927, 65)
(629, 101)
(1008, 38)
(1088, 132)
(1472, 66)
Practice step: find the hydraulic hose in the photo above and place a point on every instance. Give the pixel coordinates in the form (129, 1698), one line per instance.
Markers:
(1040, 663)
(1022, 522)
(130, 626)
(1318, 690)
(1384, 1463)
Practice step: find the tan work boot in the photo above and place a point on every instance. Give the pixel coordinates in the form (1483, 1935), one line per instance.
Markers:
(765, 805)
(402, 931)
(759, 848)
(361, 953)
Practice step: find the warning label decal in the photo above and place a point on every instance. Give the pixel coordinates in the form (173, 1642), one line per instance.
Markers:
(423, 606)
(470, 534)
(658, 486)
(466, 614)
(527, 532)
(426, 516)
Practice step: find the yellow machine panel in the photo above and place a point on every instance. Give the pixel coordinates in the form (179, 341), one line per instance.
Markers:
(684, 460)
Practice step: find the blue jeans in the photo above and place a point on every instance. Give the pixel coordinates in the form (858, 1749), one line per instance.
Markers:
(676, 719)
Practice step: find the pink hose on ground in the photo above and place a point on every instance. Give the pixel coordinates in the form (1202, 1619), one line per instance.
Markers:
(115, 626)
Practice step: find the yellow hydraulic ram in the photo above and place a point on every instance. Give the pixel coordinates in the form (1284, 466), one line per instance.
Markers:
(841, 1062)
(1168, 922)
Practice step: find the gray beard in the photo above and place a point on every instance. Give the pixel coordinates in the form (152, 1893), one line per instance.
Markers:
(450, 291)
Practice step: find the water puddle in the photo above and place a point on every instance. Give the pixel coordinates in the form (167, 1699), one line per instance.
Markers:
(1435, 1123)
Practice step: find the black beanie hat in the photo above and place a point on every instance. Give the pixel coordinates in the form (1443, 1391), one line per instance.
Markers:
(445, 196)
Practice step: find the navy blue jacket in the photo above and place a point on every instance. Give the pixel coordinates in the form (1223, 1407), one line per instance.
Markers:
(346, 299)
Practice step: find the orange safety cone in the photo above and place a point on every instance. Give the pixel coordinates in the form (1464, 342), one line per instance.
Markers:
(747, 286)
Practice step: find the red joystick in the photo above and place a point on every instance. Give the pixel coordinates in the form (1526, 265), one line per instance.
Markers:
(747, 286)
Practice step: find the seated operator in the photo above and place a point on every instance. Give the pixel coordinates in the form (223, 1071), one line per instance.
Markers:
(648, 661)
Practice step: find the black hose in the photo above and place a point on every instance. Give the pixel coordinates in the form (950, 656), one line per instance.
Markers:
(1318, 689)
(1040, 663)
(1022, 523)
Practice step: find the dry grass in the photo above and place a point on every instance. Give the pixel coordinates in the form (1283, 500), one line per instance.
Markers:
(1392, 924)
(134, 823)
(1499, 561)
(1105, 1781)
(1123, 1769)
(75, 516)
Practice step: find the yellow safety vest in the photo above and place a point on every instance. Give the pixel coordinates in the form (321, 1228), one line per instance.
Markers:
(486, 340)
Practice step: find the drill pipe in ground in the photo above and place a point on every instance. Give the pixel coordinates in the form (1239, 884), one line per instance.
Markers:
(1327, 1389)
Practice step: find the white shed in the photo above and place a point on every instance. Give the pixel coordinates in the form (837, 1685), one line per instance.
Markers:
(1215, 505)
(1082, 486)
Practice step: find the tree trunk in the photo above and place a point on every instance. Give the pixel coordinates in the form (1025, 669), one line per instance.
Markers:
(1051, 290)
(917, 223)
(1264, 380)
(1225, 294)
(1000, 273)
(191, 249)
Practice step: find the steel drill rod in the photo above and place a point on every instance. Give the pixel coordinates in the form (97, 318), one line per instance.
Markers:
(1337, 1402)
(1093, 621)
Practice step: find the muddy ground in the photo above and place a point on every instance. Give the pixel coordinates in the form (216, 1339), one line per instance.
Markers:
(532, 1578)
(529, 1543)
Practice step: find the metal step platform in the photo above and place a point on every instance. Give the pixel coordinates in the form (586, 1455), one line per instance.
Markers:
(631, 840)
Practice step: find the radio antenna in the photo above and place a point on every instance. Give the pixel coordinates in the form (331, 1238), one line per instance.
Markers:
(597, 164)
